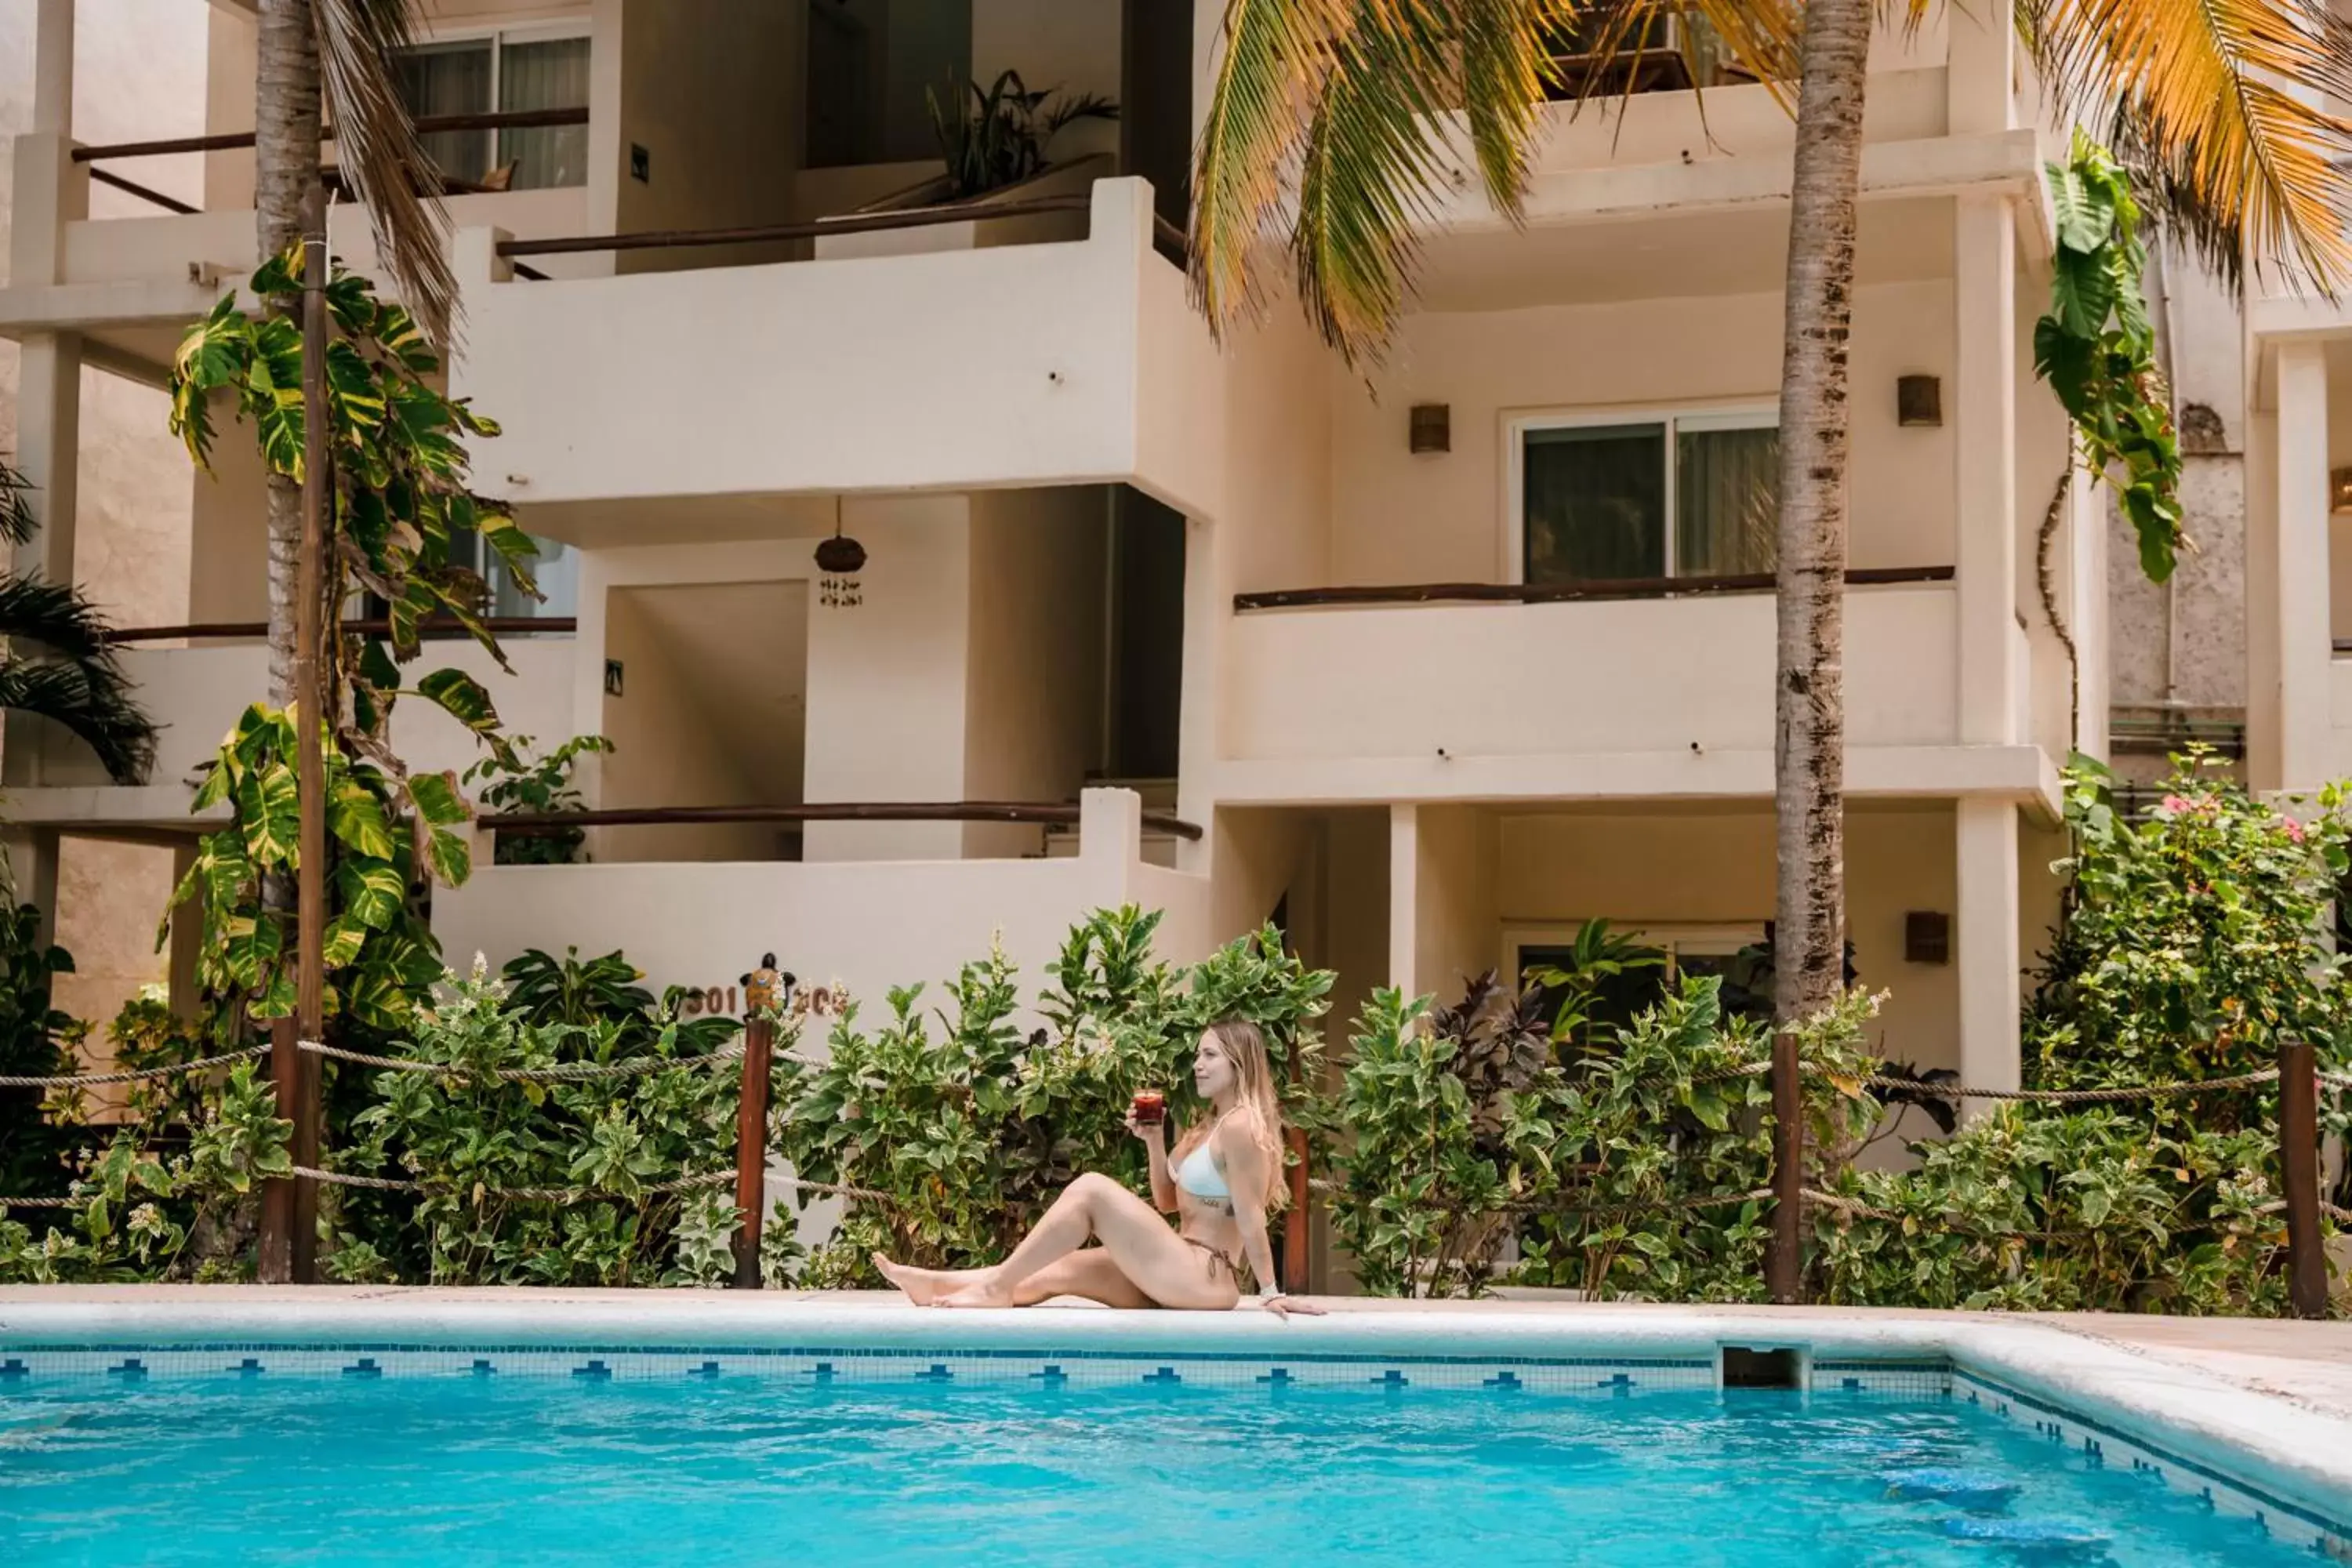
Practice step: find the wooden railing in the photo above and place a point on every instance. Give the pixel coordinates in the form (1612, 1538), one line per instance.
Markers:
(436, 629)
(1559, 593)
(1043, 813)
(229, 141)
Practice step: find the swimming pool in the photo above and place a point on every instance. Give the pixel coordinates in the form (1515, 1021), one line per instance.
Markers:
(1077, 1438)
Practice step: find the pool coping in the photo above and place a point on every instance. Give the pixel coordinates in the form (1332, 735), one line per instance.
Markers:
(2247, 1438)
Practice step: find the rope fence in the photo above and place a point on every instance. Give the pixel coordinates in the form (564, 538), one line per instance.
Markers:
(752, 1180)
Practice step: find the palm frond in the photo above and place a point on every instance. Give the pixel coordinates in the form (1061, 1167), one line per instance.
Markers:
(17, 523)
(2217, 241)
(80, 684)
(1269, 80)
(1370, 170)
(2213, 93)
(54, 615)
(1365, 108)
(378, 153)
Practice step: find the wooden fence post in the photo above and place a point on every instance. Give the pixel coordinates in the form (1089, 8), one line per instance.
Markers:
(1784, 1260)
(763, 991)
(2299, 1172)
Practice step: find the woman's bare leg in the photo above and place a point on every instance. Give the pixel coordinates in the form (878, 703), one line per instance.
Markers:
(1162, 1265)
(1091, 1274)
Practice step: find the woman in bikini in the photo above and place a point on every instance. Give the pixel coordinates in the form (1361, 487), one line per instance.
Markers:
(1222, 1181)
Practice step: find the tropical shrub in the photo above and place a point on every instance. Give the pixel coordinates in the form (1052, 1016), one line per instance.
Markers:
(146, 1213)
(36, 1040)
(523, 782)
(1603, 1173)
(603, 1146)
(2195, 939)
(971, 1126)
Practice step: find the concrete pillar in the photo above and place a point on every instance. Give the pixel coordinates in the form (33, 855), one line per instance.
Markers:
(2304, 649)
(1110, 845)
(1985, 840)
(1978, 70)
(1985, 451)
(188, 931)
(53, 68)
(1404, 898)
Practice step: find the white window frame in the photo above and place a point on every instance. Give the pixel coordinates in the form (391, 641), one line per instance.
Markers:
(1727, 413)
(1699, 939)
(499, 38)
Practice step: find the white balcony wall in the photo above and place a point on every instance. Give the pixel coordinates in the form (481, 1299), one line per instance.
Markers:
(1595, 678)
(1016, 365)
(196, 694)
(868, 925)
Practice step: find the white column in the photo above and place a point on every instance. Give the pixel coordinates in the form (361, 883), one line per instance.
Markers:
(53, 68)
(1978, 74)
(1110, 845)
(1404, 897)
(1985, 840)
(2304, 649)
(48, 440)
(1985, 453)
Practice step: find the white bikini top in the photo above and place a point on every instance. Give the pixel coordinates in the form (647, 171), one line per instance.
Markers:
(1199, 1175)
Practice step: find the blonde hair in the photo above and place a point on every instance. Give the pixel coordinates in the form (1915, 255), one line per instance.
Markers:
(1254, 1099)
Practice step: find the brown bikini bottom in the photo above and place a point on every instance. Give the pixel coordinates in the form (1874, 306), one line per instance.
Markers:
(1217, 1260)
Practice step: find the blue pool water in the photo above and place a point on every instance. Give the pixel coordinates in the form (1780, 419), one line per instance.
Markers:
(454, 1470)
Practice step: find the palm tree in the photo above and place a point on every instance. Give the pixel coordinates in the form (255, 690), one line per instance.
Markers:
(1333, 119)
(59, 663)
(337, 54)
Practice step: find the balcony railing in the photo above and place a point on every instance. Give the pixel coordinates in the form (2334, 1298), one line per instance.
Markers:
(1564, 593)
(229, 141)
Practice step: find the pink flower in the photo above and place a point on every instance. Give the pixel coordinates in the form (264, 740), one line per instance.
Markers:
(2173, 805)
(2293, 829)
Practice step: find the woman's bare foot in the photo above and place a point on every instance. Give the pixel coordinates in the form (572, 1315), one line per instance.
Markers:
(923, 1285)
(983, 1292)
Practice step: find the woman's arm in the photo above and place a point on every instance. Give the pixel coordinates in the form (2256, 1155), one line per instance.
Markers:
(1154, 1135)
(1253, 1186)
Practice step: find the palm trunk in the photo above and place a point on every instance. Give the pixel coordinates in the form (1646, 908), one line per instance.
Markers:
(286, 166)
(1809, 944)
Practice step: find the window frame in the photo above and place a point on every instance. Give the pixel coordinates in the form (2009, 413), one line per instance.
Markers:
(1700, 938)
(499, 38)
(1720, 413)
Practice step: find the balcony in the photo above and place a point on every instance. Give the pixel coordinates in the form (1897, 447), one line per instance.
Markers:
(1651, 696)
(865, 924)
(976, 364)
(196, 692)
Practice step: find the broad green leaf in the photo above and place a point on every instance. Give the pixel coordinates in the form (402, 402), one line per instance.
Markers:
(345, 935)
(371, 890)
(269, 812)
(357, 820)
(437, 799)
(451, 856)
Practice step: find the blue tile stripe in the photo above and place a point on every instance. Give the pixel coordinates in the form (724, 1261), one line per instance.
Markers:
(2212, 1478)
(874, 1352)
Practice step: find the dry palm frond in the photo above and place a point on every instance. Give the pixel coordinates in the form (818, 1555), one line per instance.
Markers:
(378, 153)
(2219, 96)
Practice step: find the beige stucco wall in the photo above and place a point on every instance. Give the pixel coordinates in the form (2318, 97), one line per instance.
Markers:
(1432, 518)
(140, 73)
(1033, 671)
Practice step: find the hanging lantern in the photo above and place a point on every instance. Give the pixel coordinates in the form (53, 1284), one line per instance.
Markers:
(838, 562)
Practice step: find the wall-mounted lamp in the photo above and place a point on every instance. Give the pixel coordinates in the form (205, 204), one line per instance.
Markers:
(1927, 937)
(2340, 490)
(1919, 402)
(1432, 427)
